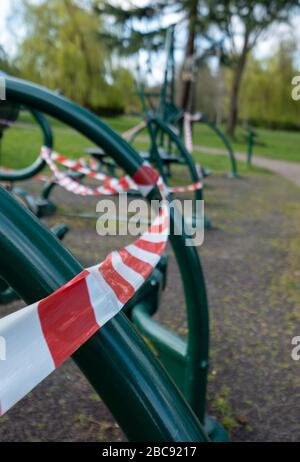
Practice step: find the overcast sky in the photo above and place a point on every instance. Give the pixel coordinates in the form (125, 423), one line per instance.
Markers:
(265, 47)
(4, 10)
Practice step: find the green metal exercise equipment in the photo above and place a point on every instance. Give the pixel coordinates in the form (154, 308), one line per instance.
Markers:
(157, 411)
(167, 109)
(251, 139)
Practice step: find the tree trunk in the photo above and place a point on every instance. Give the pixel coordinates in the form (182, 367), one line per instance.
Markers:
(236, 83)
(189, 52)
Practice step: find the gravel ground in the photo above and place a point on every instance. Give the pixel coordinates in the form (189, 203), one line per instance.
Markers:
(251, 264)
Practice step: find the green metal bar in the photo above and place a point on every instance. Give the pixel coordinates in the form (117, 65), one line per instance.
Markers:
(195, 380)
(7, 294)
(223, 137)
(115, 360)
(79, 118)
(250, 145)
(167, 91)
(39, 164)
(171, 349)
(159, 124)
(187, 256)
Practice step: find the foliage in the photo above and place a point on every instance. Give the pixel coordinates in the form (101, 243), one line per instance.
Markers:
(62, 50)
(245, 21)
(265, 98)
(144, 27)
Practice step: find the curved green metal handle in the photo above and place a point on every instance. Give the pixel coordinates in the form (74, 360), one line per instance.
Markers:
(115, 360)
(187, 257)
(39, 164)
(224, 138)
(154, 123)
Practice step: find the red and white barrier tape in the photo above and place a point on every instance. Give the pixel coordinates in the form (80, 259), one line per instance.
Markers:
(188, 188)
(110, 185)
(187, 121)
(40, 337)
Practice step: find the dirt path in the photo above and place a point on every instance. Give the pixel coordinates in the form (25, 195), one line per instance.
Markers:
(289, 170)
(251, 265)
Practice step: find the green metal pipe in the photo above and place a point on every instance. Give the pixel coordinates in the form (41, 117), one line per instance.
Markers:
(223, 137)
(115, 360)
(155, 123)
(79, 118)
(187, 256)
(250, 145)
(170, 348)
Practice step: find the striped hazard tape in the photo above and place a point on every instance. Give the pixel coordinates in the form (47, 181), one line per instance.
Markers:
(110, 185)
(191, 187)
(187, 121)
(40, 337)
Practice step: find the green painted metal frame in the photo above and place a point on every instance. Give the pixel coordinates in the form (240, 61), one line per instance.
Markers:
(167, 100)
(187, 257)
(158, 122)
(234, 170)
(156, 125)
(251, 138)
(159, 129)
(115, 360)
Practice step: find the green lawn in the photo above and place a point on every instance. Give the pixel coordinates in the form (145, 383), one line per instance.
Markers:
(21, 144)
(275, 144)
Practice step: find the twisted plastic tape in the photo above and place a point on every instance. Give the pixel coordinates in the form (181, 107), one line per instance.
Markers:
(110, 185)
(187, 121)
(40, 337)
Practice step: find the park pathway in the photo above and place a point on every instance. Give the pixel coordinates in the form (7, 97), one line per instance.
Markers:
(289, 170)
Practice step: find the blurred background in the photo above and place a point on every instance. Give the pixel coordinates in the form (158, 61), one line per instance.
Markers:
(95, 51)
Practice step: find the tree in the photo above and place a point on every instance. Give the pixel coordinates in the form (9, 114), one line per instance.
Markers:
(137, 27)
(245, 21)
(265, 97)
(62, 50)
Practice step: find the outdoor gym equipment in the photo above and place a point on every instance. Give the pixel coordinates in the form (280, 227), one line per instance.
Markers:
(251, 139)
(115, 349)
(165, 146)
(170, 113)
(7, 294)
(115, 360)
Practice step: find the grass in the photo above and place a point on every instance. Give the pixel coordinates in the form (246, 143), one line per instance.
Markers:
(274, 144)
(21, 144)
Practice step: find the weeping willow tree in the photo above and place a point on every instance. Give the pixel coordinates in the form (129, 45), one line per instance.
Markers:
(62, 50)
